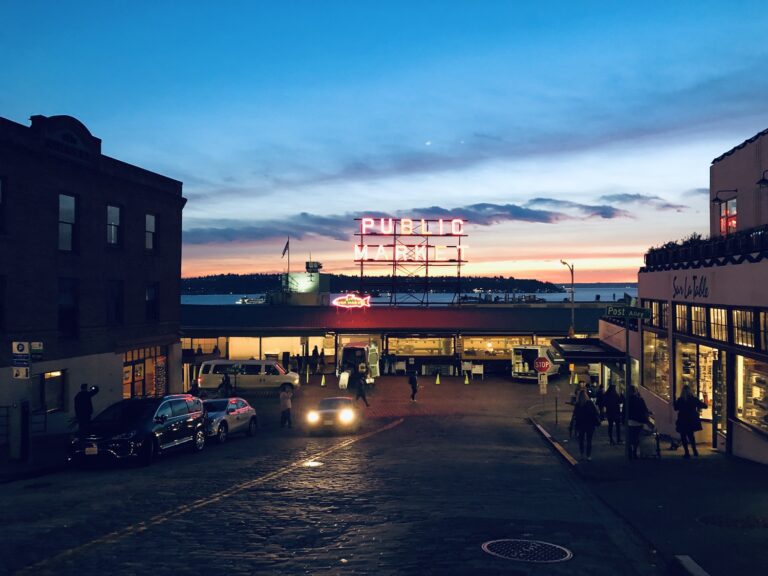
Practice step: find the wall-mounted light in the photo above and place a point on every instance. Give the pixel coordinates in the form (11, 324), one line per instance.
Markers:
(717, 200)
(763, 181)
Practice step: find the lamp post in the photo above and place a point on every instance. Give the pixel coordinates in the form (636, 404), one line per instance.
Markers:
(572, 330)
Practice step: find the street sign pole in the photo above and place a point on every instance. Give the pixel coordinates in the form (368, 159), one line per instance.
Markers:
(627, 382)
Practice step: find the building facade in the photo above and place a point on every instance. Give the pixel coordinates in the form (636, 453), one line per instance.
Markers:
(709, 311)
(90, 266)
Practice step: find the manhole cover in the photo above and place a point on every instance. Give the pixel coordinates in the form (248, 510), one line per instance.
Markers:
(527, 551)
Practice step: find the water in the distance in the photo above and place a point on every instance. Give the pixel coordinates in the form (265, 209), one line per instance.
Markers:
(586, 293)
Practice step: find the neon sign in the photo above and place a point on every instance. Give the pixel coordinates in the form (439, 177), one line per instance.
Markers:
(352, 301)
(419, 232)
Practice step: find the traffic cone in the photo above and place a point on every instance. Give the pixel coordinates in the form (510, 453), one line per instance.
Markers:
(322, 381)
(466, 377)
(437, 380)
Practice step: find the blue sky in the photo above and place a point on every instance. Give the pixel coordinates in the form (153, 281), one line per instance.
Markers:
(576, 130)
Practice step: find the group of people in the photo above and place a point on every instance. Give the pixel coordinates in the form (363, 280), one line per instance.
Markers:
(610, 406)
(315, 362)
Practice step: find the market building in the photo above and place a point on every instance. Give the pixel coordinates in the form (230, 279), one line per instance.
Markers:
(89, 277)
(709, 312)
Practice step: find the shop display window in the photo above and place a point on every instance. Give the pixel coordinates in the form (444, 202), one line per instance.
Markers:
(421, 346)
(696, 366)
(743, 328)
(718, 321)
(752, 392)
(681, 318)
(685, 366)
(764, 331)
(699, 321)
(656, 364)
(491, 347)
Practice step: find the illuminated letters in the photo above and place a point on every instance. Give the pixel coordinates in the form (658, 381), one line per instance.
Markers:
(457, 227)
(406, 226)
(389, 228)
(366, 224)
(361, 252)
(420, 250)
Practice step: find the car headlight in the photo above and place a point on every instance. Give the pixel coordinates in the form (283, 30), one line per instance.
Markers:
(313, 417)
(125, 436)
(346, 416)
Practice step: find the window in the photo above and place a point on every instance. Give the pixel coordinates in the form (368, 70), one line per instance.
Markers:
(664, 315)
(728, 217)
(699, 321)
(251, 369)
(114, 237)
(681, 318)
(164, 410)
(752, 392)
(718, 320)
(67, 221)
(179, 407)
(69, 308)
(656, 364)
(743, 328)
(763, 324)
(53, 391)
(151, 302)
(115, 303)
(149, 231)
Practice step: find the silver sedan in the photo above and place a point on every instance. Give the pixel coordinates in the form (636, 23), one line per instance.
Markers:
(225, 416)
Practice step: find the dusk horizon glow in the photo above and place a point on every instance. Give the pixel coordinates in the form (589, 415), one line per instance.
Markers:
(566, 131)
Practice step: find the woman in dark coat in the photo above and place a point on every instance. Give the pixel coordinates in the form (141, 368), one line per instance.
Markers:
(585, 419)
(637, 415)
(612, 405)
(688, 421)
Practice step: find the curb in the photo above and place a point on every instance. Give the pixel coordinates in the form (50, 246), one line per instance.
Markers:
(679, 565)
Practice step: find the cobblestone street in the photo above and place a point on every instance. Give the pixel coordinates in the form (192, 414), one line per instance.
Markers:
(417, 491)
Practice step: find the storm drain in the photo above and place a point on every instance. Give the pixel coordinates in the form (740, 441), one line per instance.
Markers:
(527, 551)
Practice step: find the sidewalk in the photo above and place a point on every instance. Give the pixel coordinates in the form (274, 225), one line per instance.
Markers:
(47, 454)
(712, 508)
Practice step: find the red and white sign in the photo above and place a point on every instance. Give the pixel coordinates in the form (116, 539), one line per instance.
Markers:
(352, 301)
(542, 364)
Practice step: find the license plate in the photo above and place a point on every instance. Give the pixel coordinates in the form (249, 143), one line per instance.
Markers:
(91, 450)
(328, 422)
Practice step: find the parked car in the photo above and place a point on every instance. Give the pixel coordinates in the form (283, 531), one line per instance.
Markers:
(225, 416)
(335, 414)
(245, 375)
(142, 428)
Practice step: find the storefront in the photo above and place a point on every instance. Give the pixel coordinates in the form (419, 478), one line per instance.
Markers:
(145, 372)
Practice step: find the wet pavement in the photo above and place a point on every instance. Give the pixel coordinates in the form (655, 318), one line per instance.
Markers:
(417, 491)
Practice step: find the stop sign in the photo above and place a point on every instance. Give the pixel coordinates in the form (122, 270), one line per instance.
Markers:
(542, 364)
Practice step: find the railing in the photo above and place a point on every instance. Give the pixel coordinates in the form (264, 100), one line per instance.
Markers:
(718, 251)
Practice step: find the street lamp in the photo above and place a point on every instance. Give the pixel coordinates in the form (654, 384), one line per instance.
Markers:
(572, 330)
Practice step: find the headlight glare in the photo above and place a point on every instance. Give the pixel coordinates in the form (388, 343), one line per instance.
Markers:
(346, 416)
(313, 417)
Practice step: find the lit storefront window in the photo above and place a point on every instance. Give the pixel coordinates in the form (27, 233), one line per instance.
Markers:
(664, 315)
(145, 372)
(681, 318)
(752, 392)
(718, 321)
(764, 331)
(728, 215)
(479, 347)
(421, 346)
(656, 364)
(695, 367)
(699, 321)
(743, 328)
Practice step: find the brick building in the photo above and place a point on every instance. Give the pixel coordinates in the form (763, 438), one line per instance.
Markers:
(90, 262)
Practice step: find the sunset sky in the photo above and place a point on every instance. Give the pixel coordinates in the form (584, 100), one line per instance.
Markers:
(568, 130)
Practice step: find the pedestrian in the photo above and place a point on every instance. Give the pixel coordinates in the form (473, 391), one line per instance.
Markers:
(585, 419)
(637, 416)
(199, 350)
(225, 388)
(688, 420)
(322, 361)
(359, 377)
(413, 381)
(285, 407)
(315, 360)
(84, 406)
(390, 363)
(195, 388)
(612, 403)
(216, 350)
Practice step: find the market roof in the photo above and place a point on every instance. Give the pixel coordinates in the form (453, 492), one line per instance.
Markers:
(735, 148)
(255, 320)
(586, 350)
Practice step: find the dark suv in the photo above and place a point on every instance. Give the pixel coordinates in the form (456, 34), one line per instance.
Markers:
(142, 428)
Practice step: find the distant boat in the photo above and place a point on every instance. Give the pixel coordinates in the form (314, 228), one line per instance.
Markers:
(249, 300)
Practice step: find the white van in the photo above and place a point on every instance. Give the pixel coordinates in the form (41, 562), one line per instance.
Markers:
(523, 358)
(246, 375)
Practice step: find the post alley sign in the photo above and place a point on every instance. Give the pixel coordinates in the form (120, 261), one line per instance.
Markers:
(400, 232)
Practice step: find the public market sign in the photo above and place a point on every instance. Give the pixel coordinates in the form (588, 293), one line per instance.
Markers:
(352, 301)
(628, 312)
(399, 250)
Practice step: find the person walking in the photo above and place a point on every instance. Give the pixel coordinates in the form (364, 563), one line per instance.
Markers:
(414, 382)
(585, 419)
(322, 361)
(688, 420)
(637, 416)
(315, 360)
(612, 403)
(360, 385)
(84, 406)
(285, 407)
(225, 388)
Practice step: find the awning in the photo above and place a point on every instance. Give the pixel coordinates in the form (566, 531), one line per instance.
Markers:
(586, 351)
